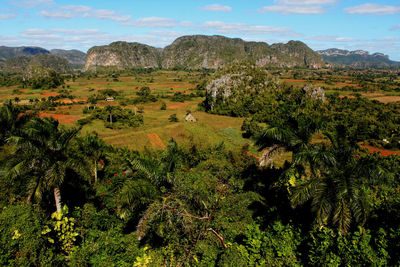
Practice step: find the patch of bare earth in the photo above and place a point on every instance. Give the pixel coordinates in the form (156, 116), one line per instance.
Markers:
(387, 99)
(176, 106)
(60, 117)
(383, 152)
(155, 140)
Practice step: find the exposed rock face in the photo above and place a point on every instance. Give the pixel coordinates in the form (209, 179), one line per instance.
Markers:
(298, 54)
(314, 92)
(122, 55)
(200, 51)
(358, 59)
(237, 81)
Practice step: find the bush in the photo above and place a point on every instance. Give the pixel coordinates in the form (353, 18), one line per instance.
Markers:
(173, 118)
(22, 242)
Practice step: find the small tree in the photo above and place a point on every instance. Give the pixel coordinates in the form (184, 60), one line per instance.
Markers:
(173, 118)
(163, 106)
(144, 91)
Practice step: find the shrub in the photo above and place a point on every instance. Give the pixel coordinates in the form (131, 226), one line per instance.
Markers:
(21, 240)
(173, 118)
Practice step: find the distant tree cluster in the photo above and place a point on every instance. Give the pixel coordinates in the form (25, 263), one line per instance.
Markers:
(114, 117)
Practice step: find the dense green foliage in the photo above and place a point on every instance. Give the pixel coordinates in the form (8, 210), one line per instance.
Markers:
(330, 203)
(41, 77)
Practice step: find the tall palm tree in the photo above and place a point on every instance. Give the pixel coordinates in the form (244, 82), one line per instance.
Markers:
(337, 182)
(93, 149)
(42, 153)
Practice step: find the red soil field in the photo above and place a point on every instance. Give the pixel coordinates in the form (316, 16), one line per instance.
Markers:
(155, 140)
(60, 117)
(177, 106)
(349, 84)
(294, 80)
(382, 151)
(49, 94)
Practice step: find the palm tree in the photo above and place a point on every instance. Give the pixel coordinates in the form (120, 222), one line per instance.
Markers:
(337, 182)
(292, 134)
(42, 153)
(151, 181)
(93, 149)
(11, 120)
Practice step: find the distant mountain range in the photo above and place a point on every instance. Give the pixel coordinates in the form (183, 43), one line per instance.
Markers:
(19, 64)
(358, 59)
(74, 57)
(190, 52)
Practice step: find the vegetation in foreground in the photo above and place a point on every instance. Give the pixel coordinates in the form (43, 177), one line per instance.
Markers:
(69, 198)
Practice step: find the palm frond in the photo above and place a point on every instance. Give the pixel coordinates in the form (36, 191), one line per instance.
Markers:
(342, 216)
(137, 193)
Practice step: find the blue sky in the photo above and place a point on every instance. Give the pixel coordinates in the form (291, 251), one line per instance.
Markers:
(69, 24)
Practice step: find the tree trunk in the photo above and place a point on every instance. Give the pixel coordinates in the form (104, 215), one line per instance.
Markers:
(110, 118)
(57, 198)
(95, 171)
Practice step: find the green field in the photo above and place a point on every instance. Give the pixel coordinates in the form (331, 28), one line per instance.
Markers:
(208, 130)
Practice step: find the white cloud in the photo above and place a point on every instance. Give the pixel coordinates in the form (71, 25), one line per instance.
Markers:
(329, 38)
(9, 40)
(238, 28)
(158, 22)
(287, 7)
(7, 16)
(33, 3)
(373, 9)
(305, 2)
(83, 39)
(77, 9)
(73, 11)
(57, 14)
(395, 28)
(109, 14)
(217, 7)
(388, 39)
(62, 31)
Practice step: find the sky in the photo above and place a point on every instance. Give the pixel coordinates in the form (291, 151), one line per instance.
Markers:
(372, 25)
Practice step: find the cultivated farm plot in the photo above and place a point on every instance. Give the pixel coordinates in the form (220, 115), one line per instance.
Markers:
(157, 130)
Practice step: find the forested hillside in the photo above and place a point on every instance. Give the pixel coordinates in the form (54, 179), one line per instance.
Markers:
(202, 52)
